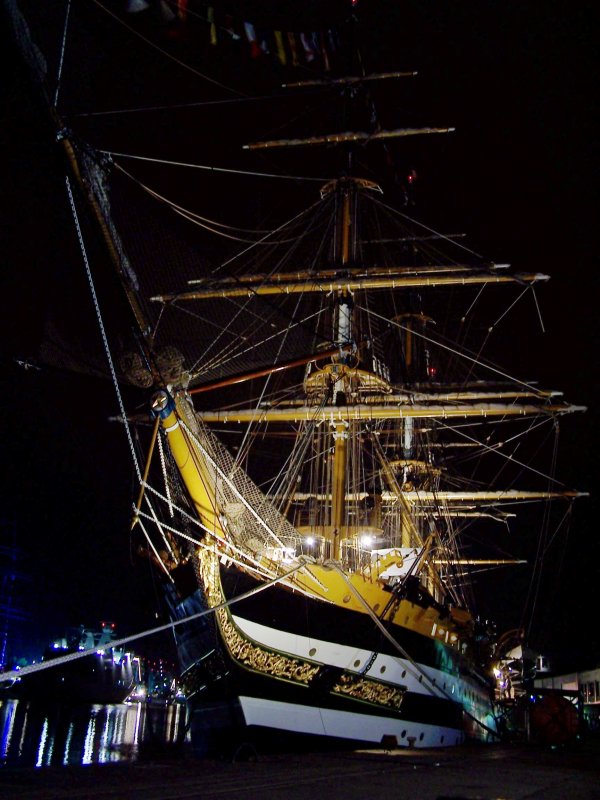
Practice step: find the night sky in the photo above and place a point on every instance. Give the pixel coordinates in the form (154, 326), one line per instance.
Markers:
(516, 79)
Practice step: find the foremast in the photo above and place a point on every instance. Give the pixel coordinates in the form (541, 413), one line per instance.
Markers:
(343, 337)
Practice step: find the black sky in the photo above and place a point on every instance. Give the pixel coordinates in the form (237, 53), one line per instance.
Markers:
(517, 81)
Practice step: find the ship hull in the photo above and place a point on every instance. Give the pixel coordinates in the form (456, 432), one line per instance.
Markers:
(280, 668)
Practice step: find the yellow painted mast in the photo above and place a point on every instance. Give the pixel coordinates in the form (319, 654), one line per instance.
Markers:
(198, 478)
(343, 334)
(394, 279)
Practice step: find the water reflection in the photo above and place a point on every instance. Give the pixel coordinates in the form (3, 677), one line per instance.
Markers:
(36, 735)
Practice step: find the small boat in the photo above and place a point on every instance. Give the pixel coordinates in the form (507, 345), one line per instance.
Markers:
(107, 675)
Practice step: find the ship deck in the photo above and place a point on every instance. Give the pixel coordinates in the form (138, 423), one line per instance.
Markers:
(485, 772)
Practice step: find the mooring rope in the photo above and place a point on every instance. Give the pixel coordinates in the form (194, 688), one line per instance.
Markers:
(54, 662)
(433, 687)
(102, 329)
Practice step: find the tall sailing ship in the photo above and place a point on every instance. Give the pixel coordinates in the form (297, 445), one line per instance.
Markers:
(300, 489)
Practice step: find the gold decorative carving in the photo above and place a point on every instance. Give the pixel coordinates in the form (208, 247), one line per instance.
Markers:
(243, 650)
(370, 691)
(254, 657)
(261, 660)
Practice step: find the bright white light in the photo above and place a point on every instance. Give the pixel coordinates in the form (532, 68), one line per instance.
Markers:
(310, 540)
(366, 540)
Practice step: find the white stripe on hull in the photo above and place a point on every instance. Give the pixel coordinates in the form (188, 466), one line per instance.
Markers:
(390, 669)
(344, 724)
(386, 668)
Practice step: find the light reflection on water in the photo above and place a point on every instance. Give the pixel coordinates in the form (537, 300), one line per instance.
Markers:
(40, 735)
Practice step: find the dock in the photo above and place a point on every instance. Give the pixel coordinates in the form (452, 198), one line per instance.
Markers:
(492, 772)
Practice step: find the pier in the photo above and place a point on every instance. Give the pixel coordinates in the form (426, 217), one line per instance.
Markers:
(510, 772)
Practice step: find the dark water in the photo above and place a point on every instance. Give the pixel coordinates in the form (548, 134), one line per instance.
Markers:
(34, 735)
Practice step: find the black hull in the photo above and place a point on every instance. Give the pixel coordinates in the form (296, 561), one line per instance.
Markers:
(248, 680)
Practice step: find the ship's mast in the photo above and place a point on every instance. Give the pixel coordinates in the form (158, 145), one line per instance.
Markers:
(342, 337)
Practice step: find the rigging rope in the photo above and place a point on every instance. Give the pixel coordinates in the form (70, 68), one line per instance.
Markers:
(159, 526)
(62, 54)
(537, 305)
(395, 211)
(512, 458)
(498, 452)
(196, 220)
(250, 292)
(163, 467)
(258, 567)
(496, 446)
(206, 455)
(559, 525)
(433, 687)
(103, 330)
(165, 52)
(151, 544)
(245, 441)
(248, 563)
(229, 353)
(177, 106)
(443, 346)
(547, 622)
(208, 168)
(232, 351)
(185, 211)
(542, 549)
(474, 302)
(491, 328)
(514, 303)
(288, 222)
(295, 461)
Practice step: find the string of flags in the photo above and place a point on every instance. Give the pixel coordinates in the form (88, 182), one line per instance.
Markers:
(290, 48)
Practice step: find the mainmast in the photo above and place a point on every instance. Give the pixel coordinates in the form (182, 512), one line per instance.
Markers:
(342, 336)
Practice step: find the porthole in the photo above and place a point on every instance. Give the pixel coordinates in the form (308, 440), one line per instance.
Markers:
(346, 598)
(403, 674)
(312, 651)
(403, 734)
(421, 737)
(442, 740)
(382, 669)
(376, 607)
(357, 663)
